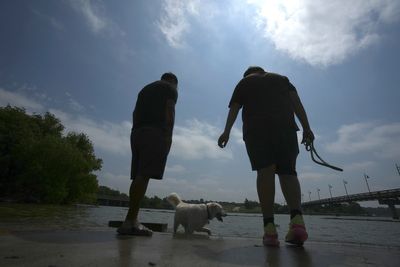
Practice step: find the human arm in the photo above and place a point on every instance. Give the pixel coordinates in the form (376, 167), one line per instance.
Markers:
(230, 120)
(301, 114)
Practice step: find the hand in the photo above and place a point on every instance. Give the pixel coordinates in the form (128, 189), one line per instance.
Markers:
(223, 139)
(308, 137)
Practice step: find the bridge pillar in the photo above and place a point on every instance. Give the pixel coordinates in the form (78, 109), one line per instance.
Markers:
(392, 207)
(391, 203)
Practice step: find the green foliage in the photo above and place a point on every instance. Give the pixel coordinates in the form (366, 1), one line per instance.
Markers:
(38, 163)
(155, 203)
(104, 190)
(248, 204)
(147, 202)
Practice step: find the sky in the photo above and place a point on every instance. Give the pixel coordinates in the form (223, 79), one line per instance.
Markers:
(86, 60)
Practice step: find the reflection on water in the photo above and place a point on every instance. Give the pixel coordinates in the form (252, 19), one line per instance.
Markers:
(22, 216)
(34, 216)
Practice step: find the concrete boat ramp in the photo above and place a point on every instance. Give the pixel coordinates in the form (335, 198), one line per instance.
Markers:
(56, 248)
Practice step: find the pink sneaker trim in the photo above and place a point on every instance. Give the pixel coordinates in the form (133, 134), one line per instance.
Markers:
(297, 234)
(270, 240)
(298, 226)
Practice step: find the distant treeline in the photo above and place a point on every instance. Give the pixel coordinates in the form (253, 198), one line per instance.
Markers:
(249, 206)
(104, 190)
(41, 163)
(156, 202)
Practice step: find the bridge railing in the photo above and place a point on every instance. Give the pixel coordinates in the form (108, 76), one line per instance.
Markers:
(375, 195)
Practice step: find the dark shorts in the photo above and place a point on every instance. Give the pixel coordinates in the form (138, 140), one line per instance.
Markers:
(279, 147)
(150, 147)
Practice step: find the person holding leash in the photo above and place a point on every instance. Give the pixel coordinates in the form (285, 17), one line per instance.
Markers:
(269, 103)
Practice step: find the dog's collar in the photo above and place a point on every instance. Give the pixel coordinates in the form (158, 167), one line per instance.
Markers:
(208, 213)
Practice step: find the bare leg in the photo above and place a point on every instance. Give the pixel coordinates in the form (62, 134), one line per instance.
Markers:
(266, 190)
(297, 233)
(291, 190)
(136, 193)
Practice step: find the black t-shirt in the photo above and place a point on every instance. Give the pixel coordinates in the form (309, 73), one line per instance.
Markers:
(266, 103)
(150, 109)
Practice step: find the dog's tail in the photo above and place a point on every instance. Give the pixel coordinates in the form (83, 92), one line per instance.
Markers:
(174, 199)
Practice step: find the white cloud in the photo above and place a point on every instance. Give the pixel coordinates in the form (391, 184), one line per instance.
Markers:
(75, 105)
(91, 10)
(198, 140)
(115, 181)
(175, 169)
(94, 13)
(314, 31)
(237, 136)
(380, 140)
(107, 136)
(174, 22)
(168, 185)
(206, 188)
(320, 32)
(359, 166)
(53, 21)
(19, 100)
(315, 176)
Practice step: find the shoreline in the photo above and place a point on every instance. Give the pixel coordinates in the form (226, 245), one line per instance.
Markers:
(231, 213)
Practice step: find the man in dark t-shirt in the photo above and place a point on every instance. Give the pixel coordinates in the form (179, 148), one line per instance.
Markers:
(151, 138)
(269, 103)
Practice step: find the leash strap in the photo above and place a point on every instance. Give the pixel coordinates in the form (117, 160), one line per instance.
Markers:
(310, 147)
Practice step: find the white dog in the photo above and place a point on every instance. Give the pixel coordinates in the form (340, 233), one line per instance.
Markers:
(193, 217)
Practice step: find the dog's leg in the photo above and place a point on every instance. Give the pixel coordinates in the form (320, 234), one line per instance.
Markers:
(176, 224)
(205, 230)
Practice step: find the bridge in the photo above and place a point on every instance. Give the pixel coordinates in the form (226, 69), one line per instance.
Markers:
(385, 197)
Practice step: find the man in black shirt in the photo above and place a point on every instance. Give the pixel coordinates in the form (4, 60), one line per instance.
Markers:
(151, 138)
(269, 103)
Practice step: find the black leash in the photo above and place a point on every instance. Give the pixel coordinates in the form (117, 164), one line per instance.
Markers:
(310, 147)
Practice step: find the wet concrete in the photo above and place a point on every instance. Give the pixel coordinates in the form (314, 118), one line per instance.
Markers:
(105, 248)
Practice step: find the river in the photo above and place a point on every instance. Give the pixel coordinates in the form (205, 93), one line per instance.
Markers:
(320, 228)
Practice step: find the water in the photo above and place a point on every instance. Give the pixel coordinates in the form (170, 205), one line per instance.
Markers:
(20, 217)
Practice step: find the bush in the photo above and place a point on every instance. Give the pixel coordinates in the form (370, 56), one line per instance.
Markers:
(39, 163)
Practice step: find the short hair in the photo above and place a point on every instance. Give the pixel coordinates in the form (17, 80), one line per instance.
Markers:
(169, 76)
(253, 69)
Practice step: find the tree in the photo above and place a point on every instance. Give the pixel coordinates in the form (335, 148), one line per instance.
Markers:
(38, 162)
(104, 190)
(248, 204)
